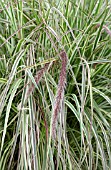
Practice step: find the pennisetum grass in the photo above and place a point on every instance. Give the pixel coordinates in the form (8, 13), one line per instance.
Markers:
(33, 31)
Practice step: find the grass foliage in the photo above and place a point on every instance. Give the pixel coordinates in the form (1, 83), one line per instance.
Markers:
(50, 121)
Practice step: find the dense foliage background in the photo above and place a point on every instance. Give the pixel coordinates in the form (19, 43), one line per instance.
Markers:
(33, 33)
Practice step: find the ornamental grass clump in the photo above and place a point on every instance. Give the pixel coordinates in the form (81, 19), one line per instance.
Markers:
(50, 127)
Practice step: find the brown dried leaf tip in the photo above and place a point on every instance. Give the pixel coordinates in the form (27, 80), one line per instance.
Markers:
(60, 92)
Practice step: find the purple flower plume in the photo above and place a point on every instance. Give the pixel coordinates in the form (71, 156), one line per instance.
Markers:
(38, 77)
(60, 92)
